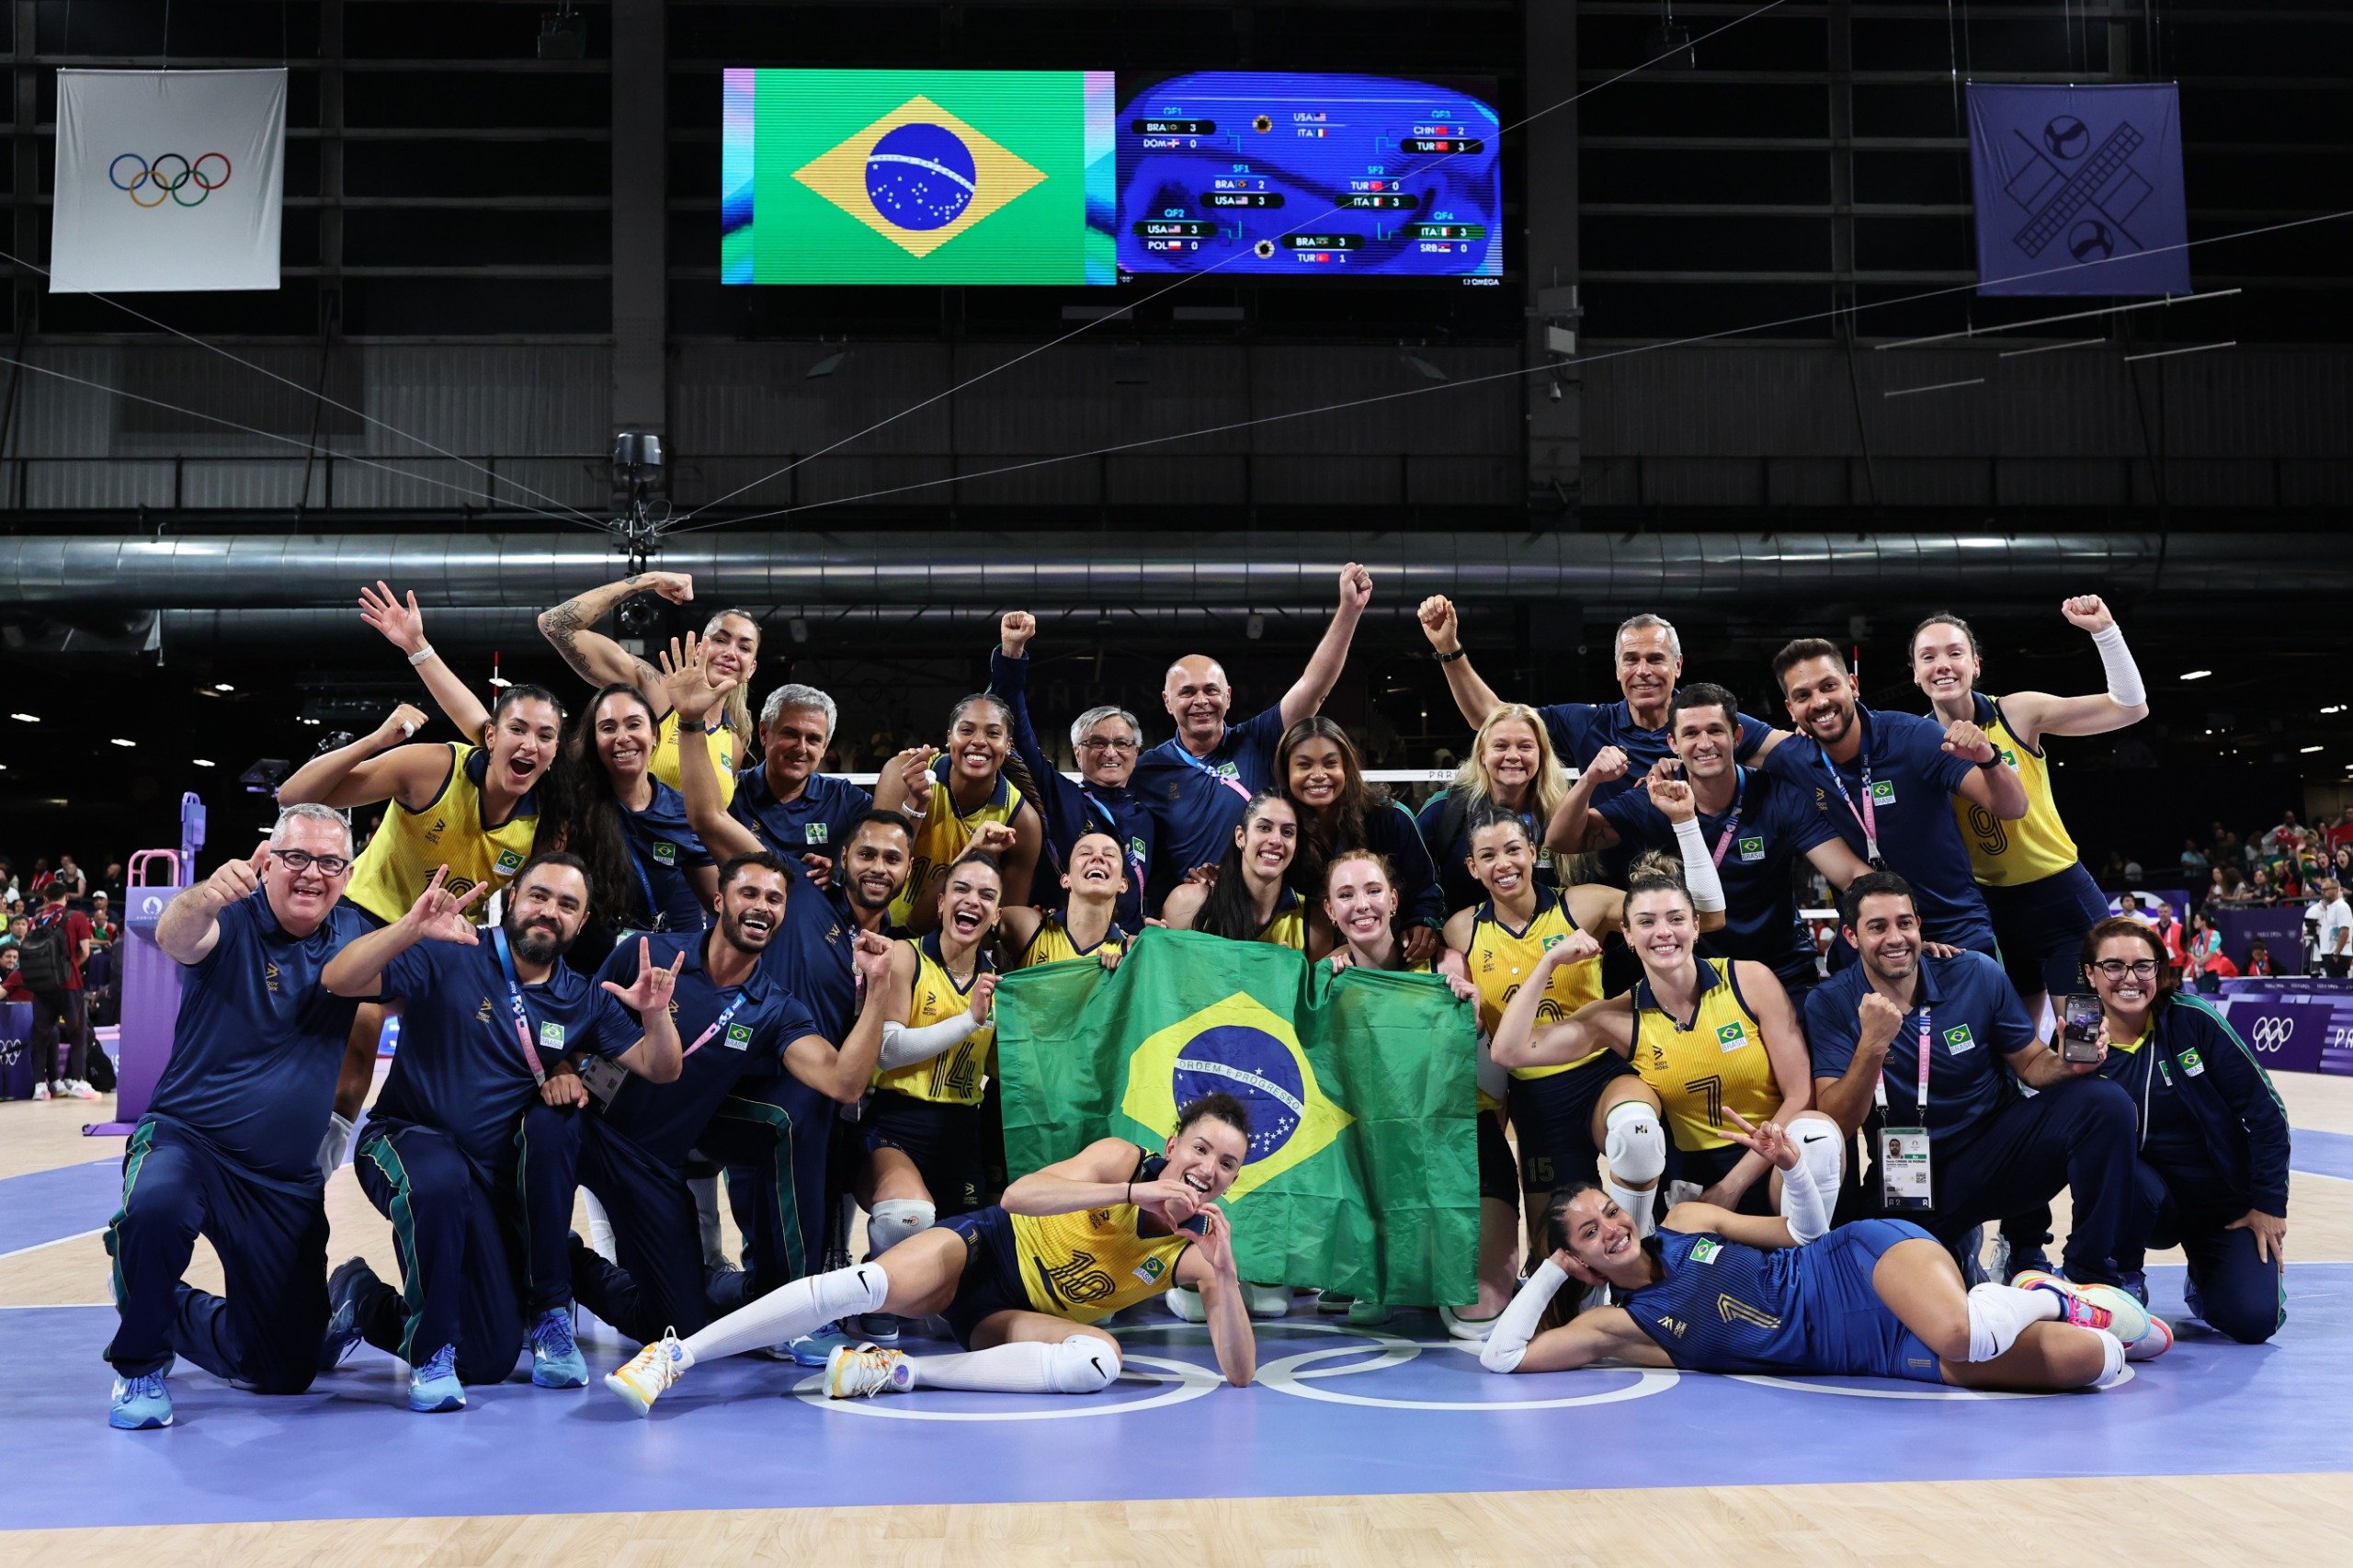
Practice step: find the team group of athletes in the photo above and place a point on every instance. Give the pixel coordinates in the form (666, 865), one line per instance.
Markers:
(698, 968)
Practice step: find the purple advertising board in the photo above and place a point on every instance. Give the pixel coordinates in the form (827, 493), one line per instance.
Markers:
(2291, 1024)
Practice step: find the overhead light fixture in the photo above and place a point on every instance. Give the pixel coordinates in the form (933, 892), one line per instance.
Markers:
(501, 682)
(117, 740)
(1255, 627)
(25, 718)
(2334, 707)
(222, 686)
(203, 761)
(798, 628)
(2306, 751)
(2196, 675)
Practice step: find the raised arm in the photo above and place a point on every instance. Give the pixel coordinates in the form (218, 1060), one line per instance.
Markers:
(1208, 1266)
(686, 686)
(365, 772)
(190, 924)
(1471, 696)
(402, 625)
(1097, 1176)
(2034, 714)
(843, 1074)
(656, 1057)
(597, 658)
(1576, 826)
(1838, 862)
(359, 969)
(1847, 1098)
(1995, 785)
(1331, 655)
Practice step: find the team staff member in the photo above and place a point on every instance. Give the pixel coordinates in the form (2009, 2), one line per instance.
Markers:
(1650, 661)
(2212, 1165)
(1511, 768)
(1250, 899)
(797, 810)
(1318, 771)
(965, 790)
(229, 1147)
(1992, 1152)
(483, 1021)
(2037, 892)
(1753, 825)
(730, 641)
(738, 1021)
(1021, 1284)
(1106, 742)
(469, 813)
(1890, 781)
(1197, 782)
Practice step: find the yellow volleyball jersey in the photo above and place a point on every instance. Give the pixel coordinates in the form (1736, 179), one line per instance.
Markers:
(1052, 943)
(411, 846)
(721, 742)
(944, 834)
(1501, 957)
(2011, 854)
(1720, 1060)
(1289, 927)
(953, 1078)
(1085, 1266)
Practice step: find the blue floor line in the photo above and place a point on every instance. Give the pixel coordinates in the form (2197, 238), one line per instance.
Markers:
(730, 1436)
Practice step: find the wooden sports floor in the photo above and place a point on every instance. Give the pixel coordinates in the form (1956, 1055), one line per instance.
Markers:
(2232, 1455)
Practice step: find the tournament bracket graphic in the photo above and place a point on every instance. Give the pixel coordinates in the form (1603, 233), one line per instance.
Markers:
(1276, 174)
(2078, 190)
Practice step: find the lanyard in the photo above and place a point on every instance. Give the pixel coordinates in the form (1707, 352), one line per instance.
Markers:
(1867, 819)
(1125, 840)
(1731, 822)
(645, 885)
(726, 1016)
(514, 1001)
(1878, 1090)
(1228, 779)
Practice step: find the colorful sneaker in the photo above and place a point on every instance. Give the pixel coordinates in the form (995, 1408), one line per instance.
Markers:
(344, 1288)
(2151, 1345)
(649, 1373)
(81, 1089)
(141, 1405)
(2092, 1306)
(816, 1349)
(433, 1387)
(556, 1362)
(875, 1328)
(855, 1371)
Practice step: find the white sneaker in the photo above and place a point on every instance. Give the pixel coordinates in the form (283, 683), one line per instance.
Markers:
(1267, 1303)
(40, 1090)
(649, 1373)
(57, 1088)
(855, 1371)
(79, 1089)
(1470, 1331)
(1185, 1303)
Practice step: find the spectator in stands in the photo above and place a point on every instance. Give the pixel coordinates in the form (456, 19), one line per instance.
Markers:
(76, 884)
(8, 891)
(2340, 837)
(2205, 945)
(102, 929)
(2259, 889)
(2287, 838)
(2133, 871)
(18, 926)
(2258, 959)
(39, 883)
(2335, 920)
(2228, 887)
(2193, 860)
(52, 973)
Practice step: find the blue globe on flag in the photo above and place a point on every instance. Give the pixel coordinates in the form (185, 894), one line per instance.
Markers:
(2066, 137)
(1254, 1068)
(920, 177)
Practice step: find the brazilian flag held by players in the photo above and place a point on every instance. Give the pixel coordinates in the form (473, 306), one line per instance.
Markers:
(917, 177)
(1361, 1087)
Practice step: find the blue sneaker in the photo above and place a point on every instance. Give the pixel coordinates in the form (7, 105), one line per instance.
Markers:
(817, 1349)
(141, 1405)
(874, 1328)
(344, 1288)
(556, 1362)
(433, 1387)
(2136, 1284)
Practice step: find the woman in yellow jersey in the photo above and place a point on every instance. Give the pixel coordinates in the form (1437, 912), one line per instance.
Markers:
(1084, 929)
(1361, 900)
(1565, 1113)
(1714, 1041)
(1248, 902)
(968, 790)
(731, 644)
(1020, 1283)
(2041, 898)
(472, 809)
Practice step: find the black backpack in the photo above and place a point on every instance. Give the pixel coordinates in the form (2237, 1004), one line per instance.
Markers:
(46, 964)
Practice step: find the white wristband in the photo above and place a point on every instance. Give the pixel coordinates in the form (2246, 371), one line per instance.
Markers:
(1699, 869)
(904, 1046)
(422, 654)
(1508, 1335)
(2124, 688)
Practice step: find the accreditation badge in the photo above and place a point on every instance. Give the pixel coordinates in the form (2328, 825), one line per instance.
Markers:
(1904, 1181)
(602, 1077)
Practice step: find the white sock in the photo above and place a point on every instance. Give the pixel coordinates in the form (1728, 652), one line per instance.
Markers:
(600, 1227)
(800, 1308)
(2111, 1371)
(706, 1191)
(893, 1220)
(1639, 1202)
(1999, 1313)
(1080, 1364)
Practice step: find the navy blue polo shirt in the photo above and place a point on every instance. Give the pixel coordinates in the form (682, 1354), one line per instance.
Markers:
(259, 1043)
(1197, 800)
(665, 1120)
(1580, 730)
(1911, 778)
(814, 821)
(665, 849)
(1974, 1020)
(1072, 810)
(1773, 823)
(812, 957)
(460, 1065)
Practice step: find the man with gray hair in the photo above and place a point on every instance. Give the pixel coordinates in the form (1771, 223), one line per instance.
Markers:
(798, 812)
(229, 1147)
(1106, 742)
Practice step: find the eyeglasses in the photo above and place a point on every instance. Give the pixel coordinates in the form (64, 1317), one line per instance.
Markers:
(2117, 969)
(300, 861)
(1095, 743)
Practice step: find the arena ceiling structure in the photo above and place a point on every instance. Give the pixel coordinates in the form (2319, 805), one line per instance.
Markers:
(1733, 366)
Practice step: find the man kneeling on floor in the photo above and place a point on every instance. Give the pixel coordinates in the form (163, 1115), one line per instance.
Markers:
(1021, 1284)
(1716, 1291)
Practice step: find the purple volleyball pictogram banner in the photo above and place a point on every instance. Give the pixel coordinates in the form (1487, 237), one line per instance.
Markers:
(2079, 189)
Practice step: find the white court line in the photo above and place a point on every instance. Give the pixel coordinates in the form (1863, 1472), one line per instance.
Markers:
(77, 1236)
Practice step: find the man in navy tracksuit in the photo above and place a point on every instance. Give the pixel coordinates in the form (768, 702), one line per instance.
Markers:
(229, 1149)
(630, 1147)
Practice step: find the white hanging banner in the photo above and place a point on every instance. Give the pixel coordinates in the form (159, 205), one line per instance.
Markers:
(168, 180)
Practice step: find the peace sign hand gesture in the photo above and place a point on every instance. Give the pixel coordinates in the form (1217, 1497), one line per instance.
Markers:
(1770, 1140)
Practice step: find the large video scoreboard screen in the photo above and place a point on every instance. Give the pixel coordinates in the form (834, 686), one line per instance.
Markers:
(1295, 174)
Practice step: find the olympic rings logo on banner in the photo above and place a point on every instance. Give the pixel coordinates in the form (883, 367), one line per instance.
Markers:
(2272, 1033)
(167, 182)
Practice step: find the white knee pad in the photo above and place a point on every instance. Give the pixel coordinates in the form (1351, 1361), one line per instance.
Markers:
(1822, 1152)
(1635, 1147)
(1081, 1364)
(894, 1220)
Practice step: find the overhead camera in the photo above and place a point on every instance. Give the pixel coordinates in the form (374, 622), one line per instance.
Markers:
(564, 34)
(637, 473)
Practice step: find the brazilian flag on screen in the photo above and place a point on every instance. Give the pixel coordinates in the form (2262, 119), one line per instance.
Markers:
(1361, 1086)
(917, 177)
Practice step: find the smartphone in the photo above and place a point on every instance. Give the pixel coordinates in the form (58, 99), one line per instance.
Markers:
(2079, 1029)
(1199, 1224)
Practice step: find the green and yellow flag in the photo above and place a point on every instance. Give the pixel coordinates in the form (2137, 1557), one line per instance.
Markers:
(917, 177)
(1361, 1087)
